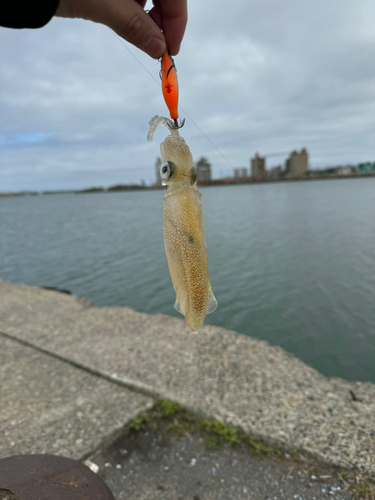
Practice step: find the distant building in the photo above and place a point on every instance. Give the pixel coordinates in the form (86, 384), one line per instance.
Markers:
(258, 166)
(366, 167)
(297, 163)
(240, 172)
(158, 163)
(275, 172)
(344, 170)
(203, 168)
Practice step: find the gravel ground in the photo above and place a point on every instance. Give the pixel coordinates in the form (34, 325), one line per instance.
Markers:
(159, 466)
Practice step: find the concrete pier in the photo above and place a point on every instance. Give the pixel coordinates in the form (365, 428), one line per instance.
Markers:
(72, 375)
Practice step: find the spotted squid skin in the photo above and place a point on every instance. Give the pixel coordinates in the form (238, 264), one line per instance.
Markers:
(184, 242)
(186, 253)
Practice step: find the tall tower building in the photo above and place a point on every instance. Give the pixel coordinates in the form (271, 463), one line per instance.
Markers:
(297, 163)
(258, 166)
(203, 169)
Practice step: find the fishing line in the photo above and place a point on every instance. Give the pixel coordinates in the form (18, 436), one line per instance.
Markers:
(135, 57)
(200, 130)
(194, 375)
(181, 108)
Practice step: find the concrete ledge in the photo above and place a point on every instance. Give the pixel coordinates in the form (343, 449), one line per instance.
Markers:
(48, 406)
(219, 373)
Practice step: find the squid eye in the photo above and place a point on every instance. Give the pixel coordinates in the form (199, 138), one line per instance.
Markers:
(166, 170)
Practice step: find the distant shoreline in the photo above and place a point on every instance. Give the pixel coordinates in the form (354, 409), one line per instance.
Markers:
(229, 181)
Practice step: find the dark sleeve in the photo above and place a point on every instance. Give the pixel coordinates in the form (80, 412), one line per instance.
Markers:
(26, 13)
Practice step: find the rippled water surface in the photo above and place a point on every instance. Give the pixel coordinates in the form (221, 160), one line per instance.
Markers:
(291, 263)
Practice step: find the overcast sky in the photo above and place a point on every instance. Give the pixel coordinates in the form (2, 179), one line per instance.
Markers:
(255, 75)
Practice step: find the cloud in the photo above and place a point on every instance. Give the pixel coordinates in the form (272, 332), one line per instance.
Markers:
(263, 76)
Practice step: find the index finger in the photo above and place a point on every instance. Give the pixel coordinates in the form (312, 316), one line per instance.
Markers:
(171, 16)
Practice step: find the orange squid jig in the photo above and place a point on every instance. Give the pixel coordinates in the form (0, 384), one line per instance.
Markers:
(169, 85)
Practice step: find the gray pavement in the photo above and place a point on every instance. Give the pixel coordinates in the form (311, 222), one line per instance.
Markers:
(218, 373)
(159, 466)
(48, 406)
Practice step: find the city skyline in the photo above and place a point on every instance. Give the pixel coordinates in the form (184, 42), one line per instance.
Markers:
(254, 76)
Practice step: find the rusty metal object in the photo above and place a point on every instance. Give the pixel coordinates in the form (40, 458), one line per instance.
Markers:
(7, 495)
(47, 477)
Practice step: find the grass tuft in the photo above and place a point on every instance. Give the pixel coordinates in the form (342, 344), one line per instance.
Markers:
(172, 417)
(140, 422)
(220, 430)
(257, 447)
(167, 409)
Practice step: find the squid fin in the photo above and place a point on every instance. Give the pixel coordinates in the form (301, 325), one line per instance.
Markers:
(177, 307)
(211, 305)
(212, 302)
(182, 302)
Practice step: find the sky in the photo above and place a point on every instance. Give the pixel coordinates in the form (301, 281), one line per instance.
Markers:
(263, 76)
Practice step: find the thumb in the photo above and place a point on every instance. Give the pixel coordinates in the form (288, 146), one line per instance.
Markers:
(126, 18)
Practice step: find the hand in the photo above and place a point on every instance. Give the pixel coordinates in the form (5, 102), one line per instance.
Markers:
(128, 19)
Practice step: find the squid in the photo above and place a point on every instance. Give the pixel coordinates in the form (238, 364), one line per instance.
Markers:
(184, 242)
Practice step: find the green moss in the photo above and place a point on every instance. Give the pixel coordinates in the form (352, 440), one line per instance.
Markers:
(175, 419)
(361, 490)
(140, 422)
(167, 409)
(172, 417)
(257, 447)
(229, 434)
